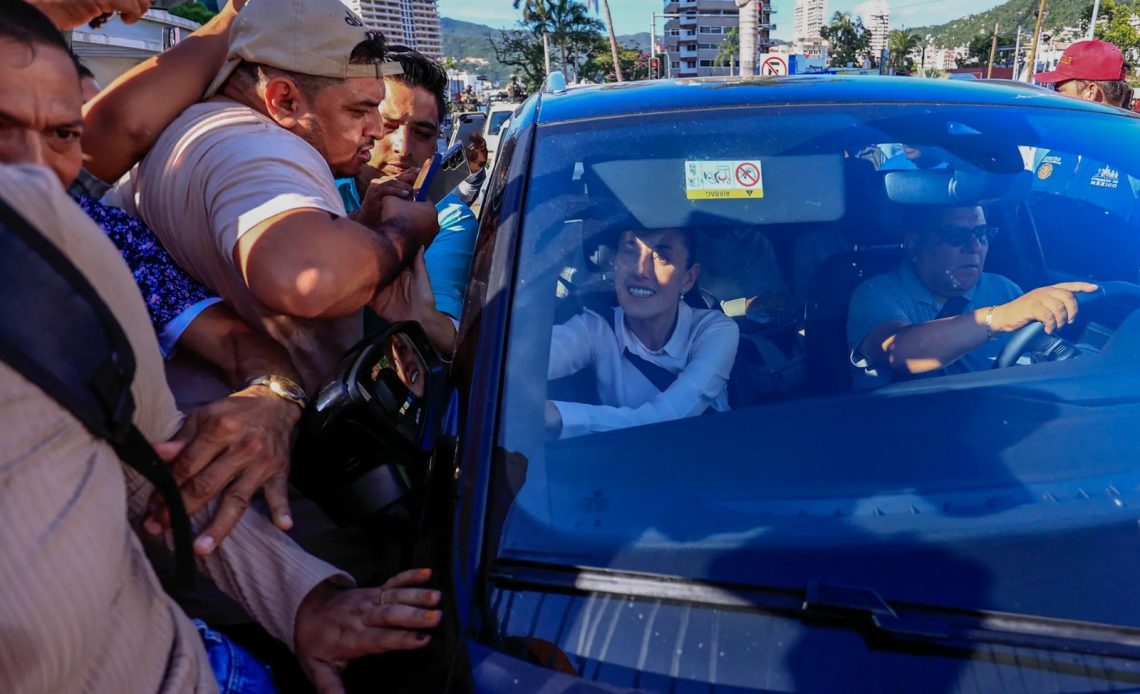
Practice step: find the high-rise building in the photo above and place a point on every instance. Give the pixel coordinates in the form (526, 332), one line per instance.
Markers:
(810, 17)
(412, 23)
(692, 41)
(878, 23)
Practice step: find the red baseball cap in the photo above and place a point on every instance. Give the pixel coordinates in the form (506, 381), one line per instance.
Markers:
(1093, 60)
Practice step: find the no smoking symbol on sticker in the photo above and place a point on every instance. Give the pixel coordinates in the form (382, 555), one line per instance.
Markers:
(747, 175)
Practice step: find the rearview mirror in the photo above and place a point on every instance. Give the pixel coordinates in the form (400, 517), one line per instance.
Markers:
(364, 440)
(955, 186)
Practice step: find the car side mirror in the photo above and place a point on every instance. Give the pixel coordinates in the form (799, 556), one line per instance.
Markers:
(364, 441)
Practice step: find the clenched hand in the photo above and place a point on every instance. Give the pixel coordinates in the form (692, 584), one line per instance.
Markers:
(68, 14)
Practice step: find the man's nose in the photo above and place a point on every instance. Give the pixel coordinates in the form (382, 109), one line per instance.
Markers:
(374, 126)
(22, 146)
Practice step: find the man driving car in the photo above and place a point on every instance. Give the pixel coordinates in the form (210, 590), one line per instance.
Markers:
(939, 313)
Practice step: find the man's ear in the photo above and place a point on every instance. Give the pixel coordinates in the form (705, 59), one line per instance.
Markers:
(283, 101)
(1093, 92)
(910, 245)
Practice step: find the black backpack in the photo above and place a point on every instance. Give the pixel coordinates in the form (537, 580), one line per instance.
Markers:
(57, 333)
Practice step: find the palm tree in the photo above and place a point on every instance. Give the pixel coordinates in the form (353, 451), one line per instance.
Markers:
(613, 37)
(537, 9)
(901, 42)
(728, 49)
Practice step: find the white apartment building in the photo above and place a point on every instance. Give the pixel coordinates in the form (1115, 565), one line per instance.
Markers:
(692, 41)
(810, 17)
(412, 23)
(878, 22)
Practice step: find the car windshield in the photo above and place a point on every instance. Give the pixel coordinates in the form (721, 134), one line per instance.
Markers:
(691, 383)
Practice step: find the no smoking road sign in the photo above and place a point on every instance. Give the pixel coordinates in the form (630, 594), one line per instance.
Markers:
(773, 65)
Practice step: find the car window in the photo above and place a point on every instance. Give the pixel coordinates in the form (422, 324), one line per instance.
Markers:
(497, 120)
(766, 237)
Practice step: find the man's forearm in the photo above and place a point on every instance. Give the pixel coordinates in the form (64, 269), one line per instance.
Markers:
(308, 265)
(440, 331)
(219, 337)
(123, 122)
(925, 347)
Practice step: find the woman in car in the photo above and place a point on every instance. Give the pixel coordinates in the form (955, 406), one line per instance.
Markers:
(656, 357)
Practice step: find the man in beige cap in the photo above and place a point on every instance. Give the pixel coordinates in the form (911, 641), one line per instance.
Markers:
(240, 188)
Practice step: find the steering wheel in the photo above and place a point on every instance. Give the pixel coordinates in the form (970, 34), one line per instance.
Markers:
(1025, 336)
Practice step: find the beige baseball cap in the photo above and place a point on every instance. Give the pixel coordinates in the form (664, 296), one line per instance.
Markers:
(312, 37)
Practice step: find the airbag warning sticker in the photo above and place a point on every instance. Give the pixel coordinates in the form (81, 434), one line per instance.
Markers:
(717, 180)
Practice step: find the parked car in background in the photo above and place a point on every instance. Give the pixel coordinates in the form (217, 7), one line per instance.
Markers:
(498, 114)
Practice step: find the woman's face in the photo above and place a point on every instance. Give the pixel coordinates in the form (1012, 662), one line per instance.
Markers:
(651, 271)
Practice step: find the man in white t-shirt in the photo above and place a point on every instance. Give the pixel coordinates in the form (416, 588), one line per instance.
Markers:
(240, 188)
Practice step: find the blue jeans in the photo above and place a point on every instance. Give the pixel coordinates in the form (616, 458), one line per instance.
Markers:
(235, 668)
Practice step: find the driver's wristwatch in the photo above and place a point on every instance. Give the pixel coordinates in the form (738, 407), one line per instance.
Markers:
(282, 387)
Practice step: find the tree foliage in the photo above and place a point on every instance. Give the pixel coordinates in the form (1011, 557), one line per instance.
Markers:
(978, 50)
(194, 11)
(850, 41)
(1114, 24)
(1011, 14)
(729, 49)
(522, 50)
(600, 66)
(901, 42)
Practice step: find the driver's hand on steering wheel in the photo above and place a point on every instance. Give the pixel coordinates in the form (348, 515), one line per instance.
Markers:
(1054, 306)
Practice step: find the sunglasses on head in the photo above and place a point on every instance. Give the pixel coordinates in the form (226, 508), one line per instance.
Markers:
(960, 236)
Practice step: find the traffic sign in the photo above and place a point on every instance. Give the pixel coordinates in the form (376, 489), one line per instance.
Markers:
(773, 65)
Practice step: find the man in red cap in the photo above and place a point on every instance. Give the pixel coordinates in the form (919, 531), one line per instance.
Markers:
(1092, 70)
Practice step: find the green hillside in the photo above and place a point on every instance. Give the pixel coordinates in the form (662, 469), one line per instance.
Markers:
(463, 40)
(1014, 13)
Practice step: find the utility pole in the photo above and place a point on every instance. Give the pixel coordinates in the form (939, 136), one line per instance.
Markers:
(993, 52)
(1031, 64)
(747, 19)
(1017, 52)
(1092, 23)
(653, 44)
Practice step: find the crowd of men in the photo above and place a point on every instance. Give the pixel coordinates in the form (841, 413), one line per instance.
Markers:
(213, 172)
(237, 205)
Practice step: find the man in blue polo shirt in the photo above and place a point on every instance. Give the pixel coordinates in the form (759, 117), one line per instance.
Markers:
(939, 313)
(412, 110)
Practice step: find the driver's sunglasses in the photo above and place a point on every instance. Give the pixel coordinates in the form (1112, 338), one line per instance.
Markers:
(960, 236)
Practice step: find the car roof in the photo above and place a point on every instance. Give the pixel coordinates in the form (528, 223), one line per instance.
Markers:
(654, 96)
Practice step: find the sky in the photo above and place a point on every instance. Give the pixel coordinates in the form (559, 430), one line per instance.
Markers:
(632, 16)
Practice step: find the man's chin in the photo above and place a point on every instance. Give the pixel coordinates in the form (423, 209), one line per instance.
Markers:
(348, 169)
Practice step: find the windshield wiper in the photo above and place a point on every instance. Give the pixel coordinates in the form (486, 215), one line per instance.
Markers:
(864, 608)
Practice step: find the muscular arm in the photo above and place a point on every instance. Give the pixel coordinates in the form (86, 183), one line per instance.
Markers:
(124, 120)
(309, 264)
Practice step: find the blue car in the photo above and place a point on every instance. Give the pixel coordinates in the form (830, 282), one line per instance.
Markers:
(786, 514)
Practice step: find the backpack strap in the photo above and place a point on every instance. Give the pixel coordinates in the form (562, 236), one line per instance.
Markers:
(57, 333)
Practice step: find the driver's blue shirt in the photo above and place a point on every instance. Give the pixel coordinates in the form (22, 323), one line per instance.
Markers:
(901, 296)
